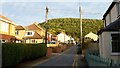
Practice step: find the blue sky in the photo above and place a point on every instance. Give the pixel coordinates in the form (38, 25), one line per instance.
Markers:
(25, 12)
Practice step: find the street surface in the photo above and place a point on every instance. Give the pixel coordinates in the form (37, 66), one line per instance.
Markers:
(69, 58)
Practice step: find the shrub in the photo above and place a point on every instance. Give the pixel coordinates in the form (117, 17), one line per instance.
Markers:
(13, 53)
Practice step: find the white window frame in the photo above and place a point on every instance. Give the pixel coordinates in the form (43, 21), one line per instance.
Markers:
(111, 43)
(32, 33)
(4, 40)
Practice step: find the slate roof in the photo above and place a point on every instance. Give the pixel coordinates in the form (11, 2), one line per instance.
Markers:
(114, 26)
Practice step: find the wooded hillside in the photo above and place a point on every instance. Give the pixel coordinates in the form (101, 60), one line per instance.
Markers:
(71, 26)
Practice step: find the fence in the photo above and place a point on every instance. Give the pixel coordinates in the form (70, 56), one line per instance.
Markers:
(93, 59)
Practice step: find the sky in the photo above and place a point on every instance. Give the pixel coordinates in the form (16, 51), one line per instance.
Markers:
(26, 12)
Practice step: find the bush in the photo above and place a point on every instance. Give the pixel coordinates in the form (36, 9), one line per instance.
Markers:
(14, 53)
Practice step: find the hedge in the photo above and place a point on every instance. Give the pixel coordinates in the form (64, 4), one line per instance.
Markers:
(14, 53)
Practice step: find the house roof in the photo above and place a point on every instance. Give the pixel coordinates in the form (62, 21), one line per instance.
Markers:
(34, 26)
(35, 36)
(109, 9)
(5, 18)
(54, 35)
(114, 26)
(19, 27)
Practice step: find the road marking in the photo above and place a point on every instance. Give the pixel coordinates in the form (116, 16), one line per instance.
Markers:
(75, 62)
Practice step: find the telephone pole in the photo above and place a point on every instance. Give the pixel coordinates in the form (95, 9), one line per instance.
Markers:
(81, 38)
(46, 17)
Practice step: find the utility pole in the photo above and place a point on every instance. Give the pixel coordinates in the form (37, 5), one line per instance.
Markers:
(81, 38)
(46, 17)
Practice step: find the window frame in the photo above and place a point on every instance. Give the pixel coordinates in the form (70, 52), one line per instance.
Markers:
(29, 33)
(5, 27)
(113, 53)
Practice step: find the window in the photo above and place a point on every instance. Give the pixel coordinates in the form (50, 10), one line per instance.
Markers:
(3, 41)
(4, 26)
(17, 33)
(115, 42)
(36, 42)
(33, 41)
(29, 33)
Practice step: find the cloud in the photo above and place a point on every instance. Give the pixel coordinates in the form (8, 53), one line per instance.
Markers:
(57, 0)
(28, 12)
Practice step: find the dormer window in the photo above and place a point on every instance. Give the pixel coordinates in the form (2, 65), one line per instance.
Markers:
(29, 33)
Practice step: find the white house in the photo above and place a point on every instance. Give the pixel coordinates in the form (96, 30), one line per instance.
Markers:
(63, 38)
(109, 36)
(92, 36)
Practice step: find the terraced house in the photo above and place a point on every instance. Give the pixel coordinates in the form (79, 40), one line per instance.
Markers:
(7, 30)
(109, 36)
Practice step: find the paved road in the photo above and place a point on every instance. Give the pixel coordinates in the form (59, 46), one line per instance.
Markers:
(66, 59)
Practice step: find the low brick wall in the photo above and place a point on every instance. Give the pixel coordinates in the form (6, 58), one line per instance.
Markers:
(49, 52)
(56, 50)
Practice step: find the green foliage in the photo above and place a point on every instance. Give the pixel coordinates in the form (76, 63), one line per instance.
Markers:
(14, 53)
(72, 26)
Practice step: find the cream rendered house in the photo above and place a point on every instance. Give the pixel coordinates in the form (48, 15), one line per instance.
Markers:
(7, 30)
(109, 36)
(32, 37)
(20, 33)
(92, 36)
(34, 34)
(63, 38)
(37, 28)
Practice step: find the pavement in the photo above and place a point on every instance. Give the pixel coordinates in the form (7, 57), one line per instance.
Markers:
(67, 59)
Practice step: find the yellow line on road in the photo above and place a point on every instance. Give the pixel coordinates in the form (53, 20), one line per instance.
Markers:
(76, 61)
